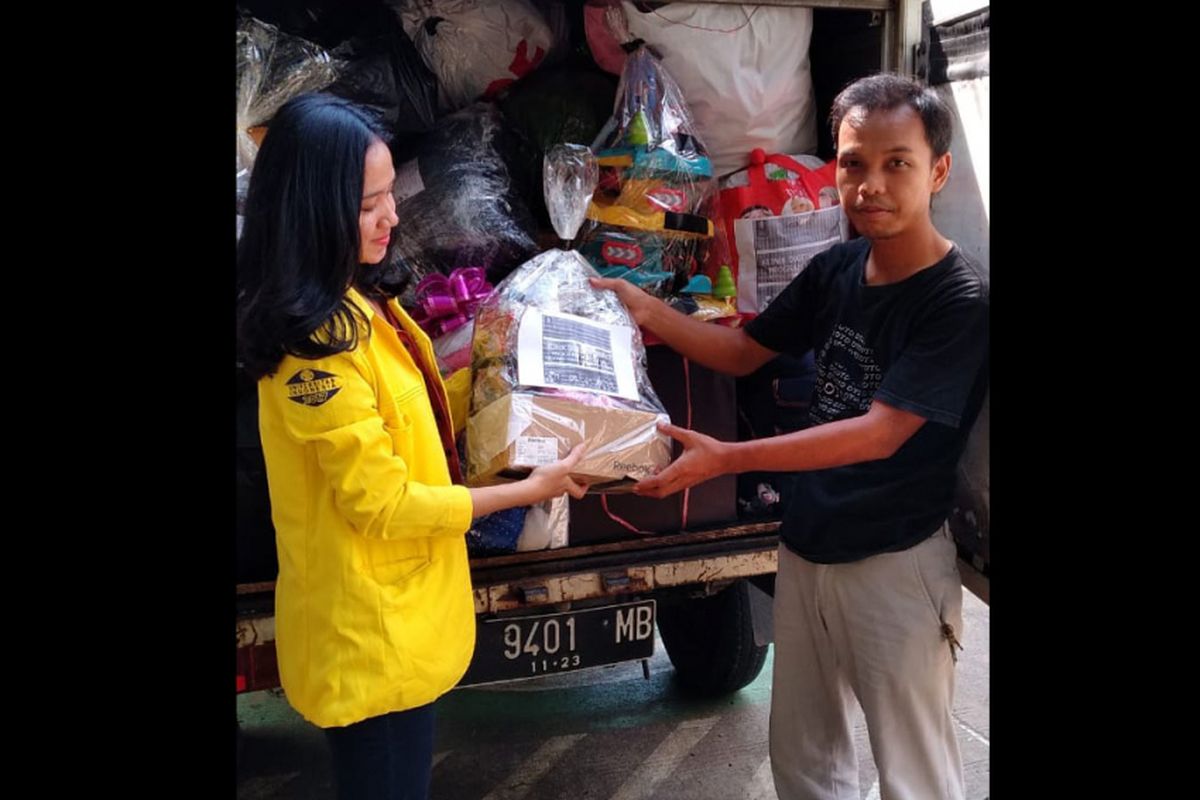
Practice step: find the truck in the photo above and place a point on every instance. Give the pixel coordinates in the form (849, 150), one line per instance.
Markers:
(704, 584)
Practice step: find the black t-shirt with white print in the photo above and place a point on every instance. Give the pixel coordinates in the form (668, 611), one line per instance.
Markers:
(920, 344)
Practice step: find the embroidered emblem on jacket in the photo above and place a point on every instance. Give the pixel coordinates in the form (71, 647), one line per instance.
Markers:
(310, 387)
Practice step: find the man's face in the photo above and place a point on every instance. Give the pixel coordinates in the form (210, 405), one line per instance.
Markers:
(886, 172)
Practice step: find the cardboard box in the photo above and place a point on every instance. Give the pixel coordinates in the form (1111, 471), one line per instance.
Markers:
(713, 399)
(522, 430)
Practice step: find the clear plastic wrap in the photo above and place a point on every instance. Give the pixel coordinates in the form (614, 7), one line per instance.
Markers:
(555, 281)
(651, 217)
(569, 178)
(272, 67)
(456, 203)
(556, 362)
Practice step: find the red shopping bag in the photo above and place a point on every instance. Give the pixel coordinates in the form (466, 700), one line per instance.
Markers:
(773, 193)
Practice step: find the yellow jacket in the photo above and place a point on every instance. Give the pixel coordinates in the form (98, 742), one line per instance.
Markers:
(373, 606)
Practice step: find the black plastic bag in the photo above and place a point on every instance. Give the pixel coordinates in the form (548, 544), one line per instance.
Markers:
(558, 106)
(325, 22)
(386, 73)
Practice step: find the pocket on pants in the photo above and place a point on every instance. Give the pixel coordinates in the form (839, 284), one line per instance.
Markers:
(935, 562)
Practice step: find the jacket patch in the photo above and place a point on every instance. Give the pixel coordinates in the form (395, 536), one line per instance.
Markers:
(310, 387)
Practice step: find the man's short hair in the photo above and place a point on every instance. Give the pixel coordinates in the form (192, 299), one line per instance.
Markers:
(888, 91)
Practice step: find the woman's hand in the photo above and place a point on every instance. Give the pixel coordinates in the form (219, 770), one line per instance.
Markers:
(553, 480)
(545, 482)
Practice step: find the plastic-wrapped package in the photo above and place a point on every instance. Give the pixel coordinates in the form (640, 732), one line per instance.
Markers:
(272, 67)
(477, 48)
(644, 258)
(556, 362)
(531, 404)
(651, 217)
(555, 282)
(546, 525)
(744, 69)
(456, 202)
(382, 71)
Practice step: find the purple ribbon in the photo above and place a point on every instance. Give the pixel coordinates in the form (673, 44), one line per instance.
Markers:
(446, 303)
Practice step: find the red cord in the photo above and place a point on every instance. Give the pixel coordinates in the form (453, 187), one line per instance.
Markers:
(618, 520)
(687, 394)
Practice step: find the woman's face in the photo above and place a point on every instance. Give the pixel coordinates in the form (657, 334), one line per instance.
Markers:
(377, 215)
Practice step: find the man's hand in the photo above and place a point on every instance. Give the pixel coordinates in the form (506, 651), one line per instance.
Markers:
(703, 458)
(637, 301)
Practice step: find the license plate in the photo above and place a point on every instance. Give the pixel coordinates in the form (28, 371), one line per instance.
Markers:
(527, 647)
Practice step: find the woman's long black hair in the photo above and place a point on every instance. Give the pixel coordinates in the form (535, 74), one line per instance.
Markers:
(299, 250)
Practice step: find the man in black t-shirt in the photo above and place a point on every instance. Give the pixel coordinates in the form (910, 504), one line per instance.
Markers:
(868, 599)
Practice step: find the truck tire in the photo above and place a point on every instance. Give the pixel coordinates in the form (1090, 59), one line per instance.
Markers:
(710, 641)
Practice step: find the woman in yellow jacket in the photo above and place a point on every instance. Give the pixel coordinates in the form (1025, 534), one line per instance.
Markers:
(374, 614)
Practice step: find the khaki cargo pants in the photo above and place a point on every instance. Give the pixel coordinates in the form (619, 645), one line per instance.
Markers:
(880, 630)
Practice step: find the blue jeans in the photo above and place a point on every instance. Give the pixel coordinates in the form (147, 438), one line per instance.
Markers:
(389, 757)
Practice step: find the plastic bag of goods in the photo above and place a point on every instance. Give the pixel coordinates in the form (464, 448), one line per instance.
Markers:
(556, 362)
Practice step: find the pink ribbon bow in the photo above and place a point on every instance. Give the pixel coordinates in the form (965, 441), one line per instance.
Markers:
(446, 303)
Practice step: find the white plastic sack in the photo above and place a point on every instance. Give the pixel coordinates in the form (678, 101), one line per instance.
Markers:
(475, 47)
(746, 76)
(545, 525)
